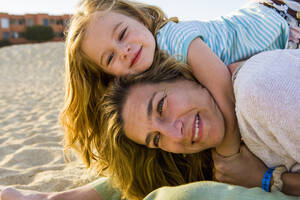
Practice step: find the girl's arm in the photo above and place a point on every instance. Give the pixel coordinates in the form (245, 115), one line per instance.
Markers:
(245, 169)
(214, 75)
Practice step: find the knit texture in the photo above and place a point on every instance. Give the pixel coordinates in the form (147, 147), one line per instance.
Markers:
(267, 91)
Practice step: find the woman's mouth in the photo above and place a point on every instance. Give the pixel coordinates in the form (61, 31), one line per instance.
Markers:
(136, 57)
(197, 129)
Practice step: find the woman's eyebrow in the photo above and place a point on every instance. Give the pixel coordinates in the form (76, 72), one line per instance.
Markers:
(150, 106)
(148, 138)
(101, 59)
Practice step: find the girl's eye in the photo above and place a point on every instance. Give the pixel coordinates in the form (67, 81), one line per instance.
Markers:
(156, 139)
(110, 57)
(160, 105)
(122, 34)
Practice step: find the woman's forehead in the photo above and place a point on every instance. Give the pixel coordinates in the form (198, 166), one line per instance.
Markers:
(134, 111)
(141, 92)
(148, 86)
(138, 99)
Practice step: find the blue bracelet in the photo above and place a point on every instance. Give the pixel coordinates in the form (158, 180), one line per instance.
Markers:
(267, 180)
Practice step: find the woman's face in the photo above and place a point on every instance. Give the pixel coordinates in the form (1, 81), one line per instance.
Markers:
(179, 117)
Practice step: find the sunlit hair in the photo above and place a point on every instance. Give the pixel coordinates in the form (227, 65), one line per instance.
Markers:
(136, 169)
(85, 81)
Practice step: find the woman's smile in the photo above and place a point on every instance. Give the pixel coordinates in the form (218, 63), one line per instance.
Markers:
(197, 129)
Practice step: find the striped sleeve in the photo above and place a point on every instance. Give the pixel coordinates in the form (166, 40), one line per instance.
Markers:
(257, 29)
(175, 38)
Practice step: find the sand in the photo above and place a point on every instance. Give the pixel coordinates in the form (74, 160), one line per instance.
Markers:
(31, 97)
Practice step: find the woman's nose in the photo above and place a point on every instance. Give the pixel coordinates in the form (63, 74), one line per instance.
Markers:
(172, 130)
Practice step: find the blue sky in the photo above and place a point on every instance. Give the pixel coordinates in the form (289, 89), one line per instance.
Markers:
(184, 9)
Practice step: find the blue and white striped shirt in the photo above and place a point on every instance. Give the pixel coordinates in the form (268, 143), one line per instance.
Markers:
(235, 37)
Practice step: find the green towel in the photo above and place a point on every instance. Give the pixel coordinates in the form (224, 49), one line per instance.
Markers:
(202, 190)
(105, 190)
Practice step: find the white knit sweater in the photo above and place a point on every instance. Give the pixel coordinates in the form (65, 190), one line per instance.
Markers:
(267, 92)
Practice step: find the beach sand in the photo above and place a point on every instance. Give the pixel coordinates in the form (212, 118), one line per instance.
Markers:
(31, 97)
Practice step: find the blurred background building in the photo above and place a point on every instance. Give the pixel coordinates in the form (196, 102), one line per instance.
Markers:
(12, 27)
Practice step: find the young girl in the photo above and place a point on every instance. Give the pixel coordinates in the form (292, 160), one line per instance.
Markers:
(109, 38)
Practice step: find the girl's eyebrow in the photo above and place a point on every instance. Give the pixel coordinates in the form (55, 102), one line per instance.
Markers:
(112, 33)
(116, 27)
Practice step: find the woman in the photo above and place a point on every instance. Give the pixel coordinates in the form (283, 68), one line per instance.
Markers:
(148, 98)
(166, 110)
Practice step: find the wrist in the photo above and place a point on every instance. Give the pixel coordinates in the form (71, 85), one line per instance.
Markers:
(266, 181)
(271, 182)
(273, 179)
(277, 177)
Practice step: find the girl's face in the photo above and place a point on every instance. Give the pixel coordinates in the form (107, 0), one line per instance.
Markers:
(119, 44)
(179, 117)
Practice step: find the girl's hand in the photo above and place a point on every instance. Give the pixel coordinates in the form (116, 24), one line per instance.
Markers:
(243, 168)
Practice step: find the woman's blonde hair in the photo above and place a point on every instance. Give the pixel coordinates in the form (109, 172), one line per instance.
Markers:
(136, 169)
(85, 81)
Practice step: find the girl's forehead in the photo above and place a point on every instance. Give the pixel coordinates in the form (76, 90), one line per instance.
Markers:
(100, 14)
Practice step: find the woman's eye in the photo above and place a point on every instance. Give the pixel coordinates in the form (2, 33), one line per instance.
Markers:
(156, 139)
(160, 105)
(110, 57)
(122, 34)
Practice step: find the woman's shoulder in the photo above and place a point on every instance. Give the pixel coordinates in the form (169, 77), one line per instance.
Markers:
(267, 85)
(268, 68)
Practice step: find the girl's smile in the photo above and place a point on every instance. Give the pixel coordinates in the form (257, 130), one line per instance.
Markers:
(136, 57)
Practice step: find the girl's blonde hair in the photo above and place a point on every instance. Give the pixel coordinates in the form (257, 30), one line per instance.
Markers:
(136, 169)
(85, 81)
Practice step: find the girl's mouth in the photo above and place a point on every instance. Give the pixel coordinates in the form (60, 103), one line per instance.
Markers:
(136, 57)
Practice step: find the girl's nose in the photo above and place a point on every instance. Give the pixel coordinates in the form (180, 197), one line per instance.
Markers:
(172, 130)
(124, 50)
